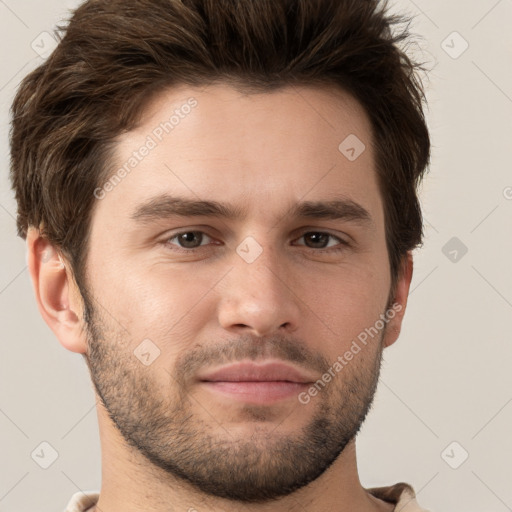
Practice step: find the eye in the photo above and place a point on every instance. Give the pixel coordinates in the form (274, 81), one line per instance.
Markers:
(188, 239)
(317, 241)
(320, 240)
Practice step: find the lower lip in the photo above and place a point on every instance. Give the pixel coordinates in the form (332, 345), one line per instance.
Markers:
(257, 392)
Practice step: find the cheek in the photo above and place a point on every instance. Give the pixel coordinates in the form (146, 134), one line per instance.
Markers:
(346, 305)
(167, 307)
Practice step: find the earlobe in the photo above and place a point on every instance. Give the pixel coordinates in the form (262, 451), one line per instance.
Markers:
(53, 286)
(396, 311)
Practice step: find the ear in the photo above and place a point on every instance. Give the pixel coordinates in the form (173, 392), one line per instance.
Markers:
(57, 295)
(396, 310)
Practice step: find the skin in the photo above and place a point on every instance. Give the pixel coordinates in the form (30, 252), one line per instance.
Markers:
(168, 443)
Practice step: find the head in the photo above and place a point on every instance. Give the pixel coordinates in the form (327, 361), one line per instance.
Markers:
(264, 97)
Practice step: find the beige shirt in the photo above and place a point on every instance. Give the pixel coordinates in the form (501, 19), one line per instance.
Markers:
(401, 494)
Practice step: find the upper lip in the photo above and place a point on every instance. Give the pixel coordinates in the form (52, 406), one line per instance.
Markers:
(247, 372)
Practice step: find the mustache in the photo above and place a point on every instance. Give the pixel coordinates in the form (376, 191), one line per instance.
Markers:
(249, 347)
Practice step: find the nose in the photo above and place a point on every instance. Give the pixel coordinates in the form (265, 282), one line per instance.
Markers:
(260, 297)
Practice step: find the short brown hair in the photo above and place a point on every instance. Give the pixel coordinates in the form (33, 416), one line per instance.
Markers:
(115, 53)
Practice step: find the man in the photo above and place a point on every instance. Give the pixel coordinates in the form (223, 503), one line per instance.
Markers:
(219, 201)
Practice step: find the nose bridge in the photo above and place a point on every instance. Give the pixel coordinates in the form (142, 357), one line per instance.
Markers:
(264, 279)
(261, 268)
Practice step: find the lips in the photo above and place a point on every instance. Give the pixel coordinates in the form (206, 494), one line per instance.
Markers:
(252, 372)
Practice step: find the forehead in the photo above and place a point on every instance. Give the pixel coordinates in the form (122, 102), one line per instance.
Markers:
(258, 150)
(315, 113)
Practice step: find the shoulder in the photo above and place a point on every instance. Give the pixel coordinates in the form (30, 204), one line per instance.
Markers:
(401, 494)
(82, 501)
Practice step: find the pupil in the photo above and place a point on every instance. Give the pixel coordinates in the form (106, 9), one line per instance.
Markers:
(187, 239)
(321, 238)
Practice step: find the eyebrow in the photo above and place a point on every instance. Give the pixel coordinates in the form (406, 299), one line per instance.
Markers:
(165, 206)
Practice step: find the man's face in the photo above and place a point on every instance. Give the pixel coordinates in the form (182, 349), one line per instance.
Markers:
(273, 284)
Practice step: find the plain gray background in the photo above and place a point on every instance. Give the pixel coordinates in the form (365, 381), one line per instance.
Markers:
(446, 385)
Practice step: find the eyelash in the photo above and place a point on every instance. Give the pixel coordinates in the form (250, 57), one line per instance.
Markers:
(343, 243)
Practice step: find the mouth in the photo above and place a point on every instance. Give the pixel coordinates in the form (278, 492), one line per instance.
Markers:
(257, 383)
